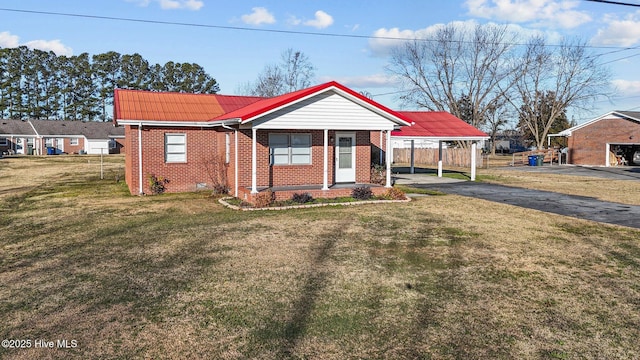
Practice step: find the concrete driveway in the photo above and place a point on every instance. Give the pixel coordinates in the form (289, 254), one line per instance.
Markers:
(569, 205)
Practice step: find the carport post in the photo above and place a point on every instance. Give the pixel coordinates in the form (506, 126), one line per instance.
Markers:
(412, 170)
(439, 158)
(473, 161)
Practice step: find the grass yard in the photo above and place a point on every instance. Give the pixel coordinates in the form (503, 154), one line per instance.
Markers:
(180, 276)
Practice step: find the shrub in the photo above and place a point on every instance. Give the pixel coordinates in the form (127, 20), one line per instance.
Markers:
(395, 194)
(220, 189)
(264, 199)
(378, 174)
(361, 193)
(302, 198)
(157, 184)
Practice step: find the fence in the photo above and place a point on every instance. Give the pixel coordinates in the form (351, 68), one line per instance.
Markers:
(450, 157)
(522, 158)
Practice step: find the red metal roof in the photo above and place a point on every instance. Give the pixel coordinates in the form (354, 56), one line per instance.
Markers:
(167, 106)
(436, 124)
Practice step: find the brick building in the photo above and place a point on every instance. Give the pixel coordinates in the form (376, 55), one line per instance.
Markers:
(320, 140)
(608, 140)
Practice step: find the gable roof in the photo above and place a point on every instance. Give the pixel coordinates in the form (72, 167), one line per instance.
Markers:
(16, 127)
(268, 105)
(137, 105)
(629, 115)
(437, 124)
(171, 106)
(61, 128)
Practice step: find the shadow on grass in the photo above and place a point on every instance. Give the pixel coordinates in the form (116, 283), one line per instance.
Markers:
(434, 172)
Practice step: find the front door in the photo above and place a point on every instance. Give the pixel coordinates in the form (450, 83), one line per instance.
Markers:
(345, 157)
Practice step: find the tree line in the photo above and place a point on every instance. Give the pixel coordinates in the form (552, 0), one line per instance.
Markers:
(36, 84)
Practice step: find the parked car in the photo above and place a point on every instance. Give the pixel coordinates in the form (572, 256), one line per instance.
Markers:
(636, 157)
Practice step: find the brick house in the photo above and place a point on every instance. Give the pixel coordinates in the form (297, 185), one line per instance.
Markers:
(318, 140)
(40, 137)
(608, 140)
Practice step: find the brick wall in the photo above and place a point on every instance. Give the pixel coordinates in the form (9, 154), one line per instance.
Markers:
(587, 145)
(203, 144)
(72, 149)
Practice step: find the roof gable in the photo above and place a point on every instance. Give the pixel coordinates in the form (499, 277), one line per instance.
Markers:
(629, 115)
(269, 105)
(437, 124)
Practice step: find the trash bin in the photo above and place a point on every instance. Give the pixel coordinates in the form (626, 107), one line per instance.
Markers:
(533, 160)
(51, 150)
(540, 160)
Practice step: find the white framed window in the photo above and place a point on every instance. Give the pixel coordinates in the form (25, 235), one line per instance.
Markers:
(112, 144)
(175, 148)
(73, 142)
(4, 141)
(290, 149)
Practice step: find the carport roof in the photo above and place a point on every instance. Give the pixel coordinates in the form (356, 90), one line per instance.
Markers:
(438, 125)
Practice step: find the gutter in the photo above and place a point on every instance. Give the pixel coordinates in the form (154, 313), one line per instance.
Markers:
(141, 191)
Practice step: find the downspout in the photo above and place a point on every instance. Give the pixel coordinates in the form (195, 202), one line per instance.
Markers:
(235, 156)
(141, 191)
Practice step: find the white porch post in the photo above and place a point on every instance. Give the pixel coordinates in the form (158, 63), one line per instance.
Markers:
(389, 159)
(325, 170)
(606, 159)
(440, 158)
(412, 169)
(473, 161)
(254, 157)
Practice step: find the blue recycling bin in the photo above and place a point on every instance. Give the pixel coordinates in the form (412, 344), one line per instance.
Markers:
(533, 160)
(51, 150)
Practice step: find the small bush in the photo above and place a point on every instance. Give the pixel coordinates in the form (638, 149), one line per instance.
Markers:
(264, 199)
(361, 193)
(378, 174)
(395, 194)
(302, 198)
(220, 189)
(157, 184)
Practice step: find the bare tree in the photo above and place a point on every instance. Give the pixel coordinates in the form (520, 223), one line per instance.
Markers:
(475, 64)
(294, 72)
(552, 79)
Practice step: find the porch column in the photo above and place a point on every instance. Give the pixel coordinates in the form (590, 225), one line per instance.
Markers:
(254, 157)
(389, 159)
(141, 188)
(325, 170)
(380, 155)
(439, 158)
(473, 160)
(412, 169)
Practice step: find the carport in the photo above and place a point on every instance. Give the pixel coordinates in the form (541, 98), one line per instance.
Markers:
(440, 127)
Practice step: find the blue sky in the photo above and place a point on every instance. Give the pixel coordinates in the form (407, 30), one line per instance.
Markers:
(236, 56)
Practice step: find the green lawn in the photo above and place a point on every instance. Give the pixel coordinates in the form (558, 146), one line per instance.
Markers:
(180, 276)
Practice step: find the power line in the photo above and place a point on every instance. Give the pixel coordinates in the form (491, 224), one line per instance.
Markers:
(614, 2)
(241, 28)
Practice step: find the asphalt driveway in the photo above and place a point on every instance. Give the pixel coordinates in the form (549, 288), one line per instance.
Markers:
(569, 205)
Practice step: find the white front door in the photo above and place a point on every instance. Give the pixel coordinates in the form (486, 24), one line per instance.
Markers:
(345, 157)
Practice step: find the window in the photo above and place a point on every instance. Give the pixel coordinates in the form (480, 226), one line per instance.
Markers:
(175, 148)
(290, 149)
(227, 148)
(112, 144)
(4, 141)
(73, 141)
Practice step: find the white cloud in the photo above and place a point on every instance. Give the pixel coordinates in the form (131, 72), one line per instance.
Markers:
(173, 4)
(293, 21)
(620, 32)
(321, 21)
(627, 87)
(259, 16)
(384, 40)
(50, 45)
(7, 40)
(365, 81)
(544, 13)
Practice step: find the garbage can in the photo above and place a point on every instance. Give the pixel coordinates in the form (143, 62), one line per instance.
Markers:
(51, 150)
(540, 160)
(533, 160)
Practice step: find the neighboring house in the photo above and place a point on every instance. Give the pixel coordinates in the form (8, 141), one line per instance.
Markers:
(41, 137)
(438, 127)
(607, 140)
(312, 140)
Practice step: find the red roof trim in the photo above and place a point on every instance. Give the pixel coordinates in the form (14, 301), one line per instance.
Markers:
(265, 106)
